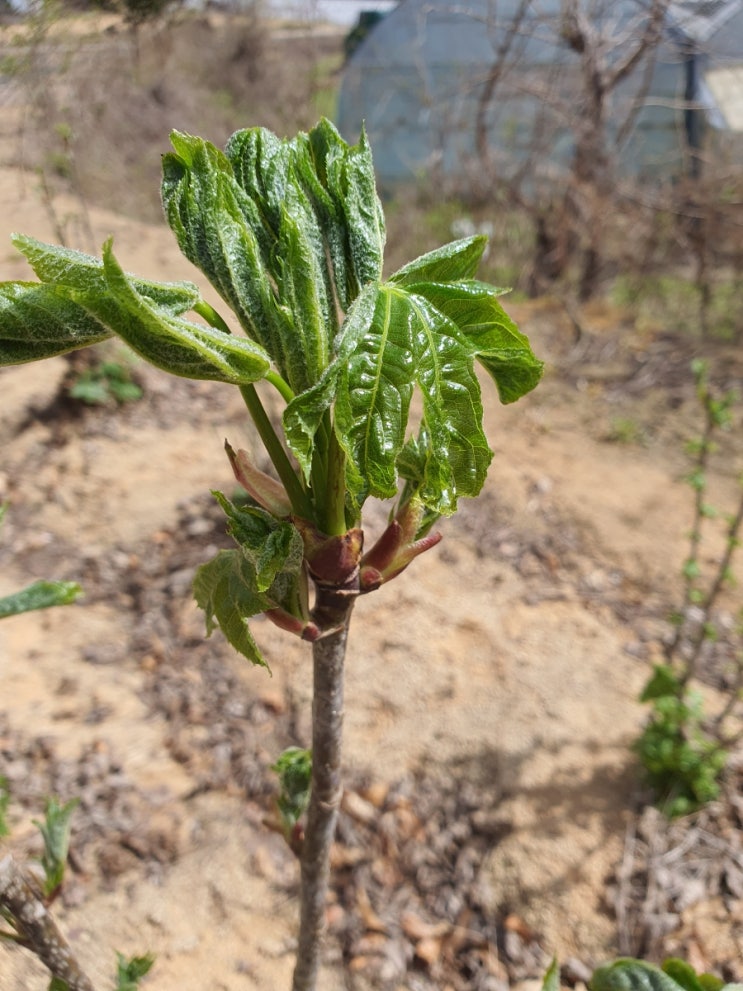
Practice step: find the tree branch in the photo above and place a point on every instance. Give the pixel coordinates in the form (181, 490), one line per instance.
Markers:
(36, 928)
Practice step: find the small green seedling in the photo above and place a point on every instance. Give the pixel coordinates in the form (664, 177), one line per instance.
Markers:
(684, 750)
(682, 761)
(99, 385)
(130, 971)
(55, 830)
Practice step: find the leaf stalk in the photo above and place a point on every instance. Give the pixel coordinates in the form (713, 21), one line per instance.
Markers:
(279, 458)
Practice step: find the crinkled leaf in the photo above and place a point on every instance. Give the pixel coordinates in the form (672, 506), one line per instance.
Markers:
(265, 572)
(219, 228)
(374, 392)
(409, 343)
(286, 231)
(271, 545)
(632, 975)
(66, 267)
(260, 164)
(172, 343)
(346, 201)
(39, 595)
(687, 978)
(453, 261)
(303, 415)
(303, 290)
(225, 589)
(83, 301)
(40, 321)
(496, 341)
(222, 230)
(339, 181)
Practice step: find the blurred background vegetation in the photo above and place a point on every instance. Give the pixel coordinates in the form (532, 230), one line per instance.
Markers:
(89, 93)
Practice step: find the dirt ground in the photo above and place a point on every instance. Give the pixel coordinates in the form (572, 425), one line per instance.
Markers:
(491, 694)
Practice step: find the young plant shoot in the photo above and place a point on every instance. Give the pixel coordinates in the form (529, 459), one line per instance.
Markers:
(291, 235)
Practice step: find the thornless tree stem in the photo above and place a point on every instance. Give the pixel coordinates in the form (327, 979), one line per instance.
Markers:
(332, 611)
(36, 928)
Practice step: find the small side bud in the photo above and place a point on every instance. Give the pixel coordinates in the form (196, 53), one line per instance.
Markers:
(266, 491)
(302, 628)
(395, 549)
(331, 560)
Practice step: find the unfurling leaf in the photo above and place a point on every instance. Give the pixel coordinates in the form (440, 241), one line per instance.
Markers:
(264, 575)
(41, 321)
(288, 232)
(82, 301)
(225, 589)
(294, 768)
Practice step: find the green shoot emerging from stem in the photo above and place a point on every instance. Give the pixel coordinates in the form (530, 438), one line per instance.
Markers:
(291, 235)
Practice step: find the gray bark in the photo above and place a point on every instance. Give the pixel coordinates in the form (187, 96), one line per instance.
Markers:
(37, 930)
(332, 612)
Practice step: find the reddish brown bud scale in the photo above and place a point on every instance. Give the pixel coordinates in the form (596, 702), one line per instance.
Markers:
(332, 561)
(266, 491)
(303, 628)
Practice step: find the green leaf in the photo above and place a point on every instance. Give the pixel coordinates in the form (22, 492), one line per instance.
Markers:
(294, 768)
(631, 975)
(265, 573)
(222, 231)
(496, 341)
(57, 984)
(131, 970)
(687, 978)
(66, 267)
(664, 682)
(288, 232)
(55, 830)
(304, 414)
(407, 343)
(348, 174)
(83, 301)
(450, 263)
(40, 321)
(225, 588)
(270, 545)
(172, 343)
(551, 980)
(339, 181)
(39, 595)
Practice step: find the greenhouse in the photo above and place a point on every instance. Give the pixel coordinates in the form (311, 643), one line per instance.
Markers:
(440, 86)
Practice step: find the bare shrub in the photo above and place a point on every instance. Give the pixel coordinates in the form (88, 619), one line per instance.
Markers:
(113, 101)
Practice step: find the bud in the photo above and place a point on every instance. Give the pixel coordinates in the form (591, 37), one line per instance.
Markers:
(266, 491)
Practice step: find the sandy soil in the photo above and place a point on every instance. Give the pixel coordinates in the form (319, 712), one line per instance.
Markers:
(516, 649)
